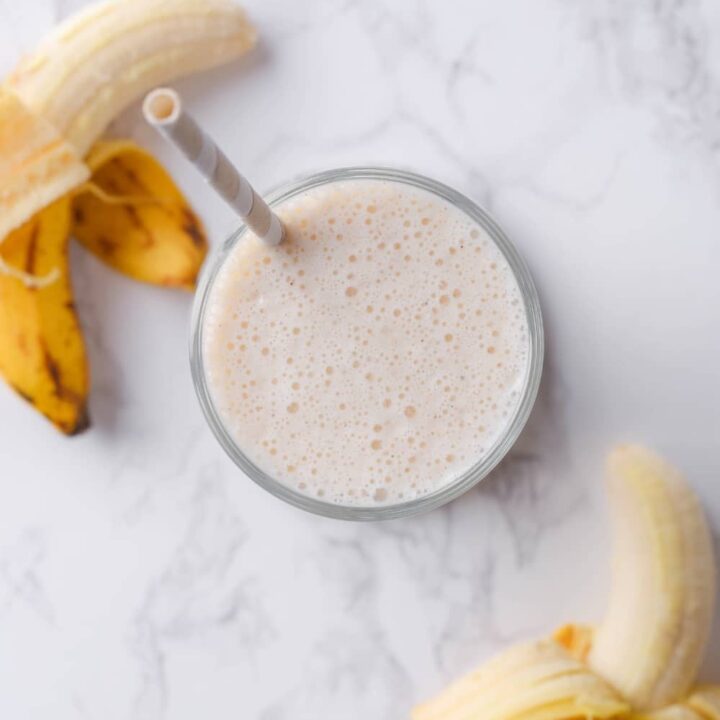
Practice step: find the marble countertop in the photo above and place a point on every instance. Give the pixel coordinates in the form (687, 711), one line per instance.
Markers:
(143, 578)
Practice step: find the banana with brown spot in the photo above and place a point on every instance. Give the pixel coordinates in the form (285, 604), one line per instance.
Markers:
(133, 217)
(42, 353)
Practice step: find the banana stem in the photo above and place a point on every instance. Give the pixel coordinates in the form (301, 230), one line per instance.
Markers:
(163, 110)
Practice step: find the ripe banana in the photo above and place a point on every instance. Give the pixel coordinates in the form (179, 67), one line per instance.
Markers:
(37, 165)
(703, 704)
(95, 64)
(652, 640)
(112, 195)
(671, 712)
(640, 662)
(90, 68)
(133, 217)
(42, 354)
(537, 681)
(706, 701)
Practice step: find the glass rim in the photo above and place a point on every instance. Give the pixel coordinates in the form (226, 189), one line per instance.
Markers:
(486, 463)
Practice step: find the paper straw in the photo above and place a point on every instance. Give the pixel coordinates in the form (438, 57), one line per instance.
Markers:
(163, 110)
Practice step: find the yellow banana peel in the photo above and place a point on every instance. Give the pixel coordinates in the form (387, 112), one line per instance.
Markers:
(132, 216)
(57, 179)
(42, 353)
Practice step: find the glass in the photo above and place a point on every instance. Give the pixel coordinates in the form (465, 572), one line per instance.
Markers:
(490, 459)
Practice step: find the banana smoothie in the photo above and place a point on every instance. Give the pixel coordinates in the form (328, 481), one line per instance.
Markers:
(374, 356)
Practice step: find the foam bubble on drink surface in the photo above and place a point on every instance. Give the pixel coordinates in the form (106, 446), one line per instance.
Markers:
(374, 356)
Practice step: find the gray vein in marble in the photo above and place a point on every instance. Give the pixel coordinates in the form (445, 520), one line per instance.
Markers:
(202, 589)
(424, 545)
(452, 572)
(469, 621)
(472, 179)
(21, 579)
(346, 665)
(289, 28)
(393, 35)
(461, 68)
(144, 500)
(348, 563)
(283, 141)
(353, 659)
(528, 485)
(655, 52)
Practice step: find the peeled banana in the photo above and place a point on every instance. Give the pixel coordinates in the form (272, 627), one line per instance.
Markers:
(706, 701)
(57, 179)
(37, 165)
(89, 69)
(702, 704)
(652, 640)
(671, 712)
(537, 681)
(96, 63)
(641, 661)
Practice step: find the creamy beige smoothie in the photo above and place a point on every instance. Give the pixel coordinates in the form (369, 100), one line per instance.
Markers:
(375, 355)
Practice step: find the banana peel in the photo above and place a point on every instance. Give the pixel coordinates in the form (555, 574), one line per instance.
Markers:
(132, 216)
(42, 353)
(58, 179)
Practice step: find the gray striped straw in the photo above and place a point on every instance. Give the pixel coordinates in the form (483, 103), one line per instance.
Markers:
(163, 110)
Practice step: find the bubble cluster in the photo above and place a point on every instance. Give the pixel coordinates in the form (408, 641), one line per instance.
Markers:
(376, 354)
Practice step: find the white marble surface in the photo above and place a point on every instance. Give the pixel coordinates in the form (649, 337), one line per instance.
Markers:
(141, 577)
